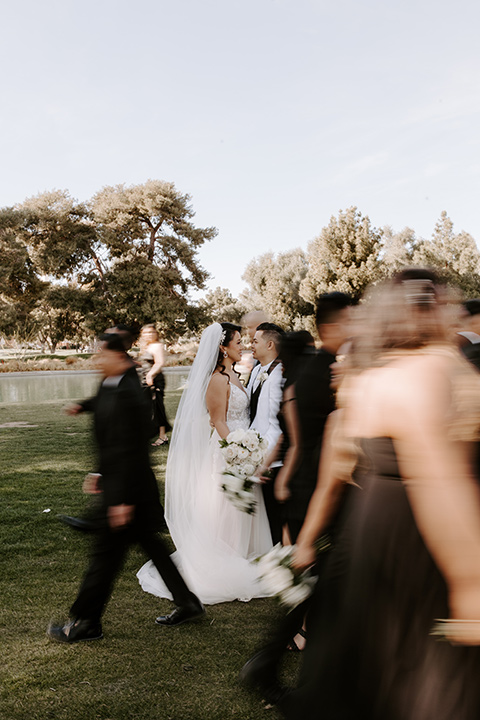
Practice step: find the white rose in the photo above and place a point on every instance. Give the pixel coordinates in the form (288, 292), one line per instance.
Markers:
(251, 440)
(281, 579)
(266, 565)
(295, 595)
(256, 457)
(230, 453)
(236, 436)
(276, 580)
(242, 453)
(249, 469)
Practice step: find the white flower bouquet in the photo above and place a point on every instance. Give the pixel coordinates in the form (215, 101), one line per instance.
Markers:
(243, 452)
(278, 578)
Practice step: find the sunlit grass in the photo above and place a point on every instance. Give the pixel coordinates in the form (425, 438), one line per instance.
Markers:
(139, 671)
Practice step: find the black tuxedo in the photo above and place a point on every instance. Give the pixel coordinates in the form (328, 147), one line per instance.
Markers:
(315, 401)
(121, 423)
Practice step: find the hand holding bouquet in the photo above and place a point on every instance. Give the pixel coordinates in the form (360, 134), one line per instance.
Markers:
(278, 577)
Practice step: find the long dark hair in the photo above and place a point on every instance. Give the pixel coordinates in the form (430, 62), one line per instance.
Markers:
(229, 330)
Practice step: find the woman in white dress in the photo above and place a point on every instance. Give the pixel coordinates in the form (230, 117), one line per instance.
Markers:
(216, 543)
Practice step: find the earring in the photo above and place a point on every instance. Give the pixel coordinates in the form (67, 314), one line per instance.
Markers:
(225, 354)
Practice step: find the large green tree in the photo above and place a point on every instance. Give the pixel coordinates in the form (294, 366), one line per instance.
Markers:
(274, 286)
(20, 284)
(152, 246)
(346, 256)
(131, 254)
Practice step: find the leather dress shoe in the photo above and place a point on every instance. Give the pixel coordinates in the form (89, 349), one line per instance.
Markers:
(81, 524)
(75, 631)
(181, 614)
(260, 673)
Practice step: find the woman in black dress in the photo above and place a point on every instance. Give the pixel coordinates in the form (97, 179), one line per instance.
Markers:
(406, 549)
(151, 360)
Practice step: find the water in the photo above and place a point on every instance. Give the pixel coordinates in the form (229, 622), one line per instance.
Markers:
(48, 386)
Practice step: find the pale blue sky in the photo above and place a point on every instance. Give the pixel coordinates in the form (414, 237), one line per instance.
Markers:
(272, 114)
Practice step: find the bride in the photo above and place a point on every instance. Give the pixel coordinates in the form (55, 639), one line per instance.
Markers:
(216, 543)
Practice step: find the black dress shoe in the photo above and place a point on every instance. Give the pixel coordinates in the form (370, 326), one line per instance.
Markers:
(184, 613)
(260, 673)
(81, 524)
(75, 631)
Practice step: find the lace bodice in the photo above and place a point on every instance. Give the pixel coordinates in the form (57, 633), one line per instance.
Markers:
(237, 413)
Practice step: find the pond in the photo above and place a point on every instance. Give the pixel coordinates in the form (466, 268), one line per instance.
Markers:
(48, 386)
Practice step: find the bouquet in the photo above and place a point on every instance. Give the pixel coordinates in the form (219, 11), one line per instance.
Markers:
(278, 578)
(243, 452)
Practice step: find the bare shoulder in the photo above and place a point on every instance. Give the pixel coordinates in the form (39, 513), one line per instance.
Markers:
(218, 383)
(400, 395)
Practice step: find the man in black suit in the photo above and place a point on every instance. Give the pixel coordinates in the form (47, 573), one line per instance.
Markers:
(315, 400)
(129, 500)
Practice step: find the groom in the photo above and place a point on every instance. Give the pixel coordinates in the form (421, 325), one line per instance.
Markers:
(265, 392)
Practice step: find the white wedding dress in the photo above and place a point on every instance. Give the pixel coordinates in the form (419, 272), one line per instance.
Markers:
(216, 543)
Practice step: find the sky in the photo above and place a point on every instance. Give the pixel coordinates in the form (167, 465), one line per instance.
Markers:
(273, 115)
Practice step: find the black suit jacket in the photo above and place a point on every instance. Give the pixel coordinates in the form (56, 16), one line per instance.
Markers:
(315, 401)
(121, 424)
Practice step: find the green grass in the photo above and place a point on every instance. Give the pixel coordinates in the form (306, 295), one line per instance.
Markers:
(139, 671)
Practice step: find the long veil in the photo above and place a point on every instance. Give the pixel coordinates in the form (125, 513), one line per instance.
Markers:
(190, 439)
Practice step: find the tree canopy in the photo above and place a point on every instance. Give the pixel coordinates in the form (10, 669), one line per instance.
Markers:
(346, 256)
(274, 286)
(130, 253)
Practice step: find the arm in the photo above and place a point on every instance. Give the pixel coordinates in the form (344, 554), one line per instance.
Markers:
(332, 473)
(156, 349)
(292, 457)
(217, 403)
(78, 408)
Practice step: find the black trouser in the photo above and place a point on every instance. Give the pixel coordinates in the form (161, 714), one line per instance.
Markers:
(274, 508)
(106, 560)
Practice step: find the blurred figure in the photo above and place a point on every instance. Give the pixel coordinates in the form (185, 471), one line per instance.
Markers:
(124, 332)
(406, 548)
(315, 400)
(469, 339)
(251, 320)
(153, 380)
(311, 401)
(295, 349)
(93, 518)
(129, 498)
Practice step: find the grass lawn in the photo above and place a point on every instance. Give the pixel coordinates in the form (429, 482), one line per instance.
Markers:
(139, 671)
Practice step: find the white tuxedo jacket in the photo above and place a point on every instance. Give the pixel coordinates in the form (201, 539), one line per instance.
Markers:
(266, 420)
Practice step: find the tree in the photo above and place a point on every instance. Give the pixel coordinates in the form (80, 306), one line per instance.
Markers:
(131, 253)
(153, 246)
(398, 249)
(219, 305)
(346, 256)
(60, 315)
(20, 286)
(275, 282)
(455, 256)
(57, 232)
